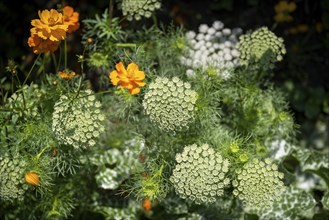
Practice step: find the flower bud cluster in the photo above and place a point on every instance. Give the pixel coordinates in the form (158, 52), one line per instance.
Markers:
(12, 181)
(199, 175)
(213, 49)
(78, 121)
(261, 46)
(259, 183)
(170, 103)
(136, 9)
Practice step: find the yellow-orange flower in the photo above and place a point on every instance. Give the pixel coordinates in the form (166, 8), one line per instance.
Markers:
(40, 45)
(50, 25)
(319, 27)
(302, 28)
(282, 9)
(71, 18)
(132, 78)
(146, 204)
(66, 75)
(285, 7)
(32, 178)
(293, 30)
(282, 17)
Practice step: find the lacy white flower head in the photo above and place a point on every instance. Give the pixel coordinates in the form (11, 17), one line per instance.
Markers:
(213, 49)
(136, 9)
(261, 46)
(12, 181)
(199, 175)
(170, 103)
(258, 184)
(78, 121)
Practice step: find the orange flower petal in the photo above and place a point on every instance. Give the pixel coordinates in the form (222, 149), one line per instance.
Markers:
(139, 75)
(57, 35)
(132, 67)
(121, 68)
(32, 178)
(140, 83)
(134, 91)
(68, 11)
(115, 81)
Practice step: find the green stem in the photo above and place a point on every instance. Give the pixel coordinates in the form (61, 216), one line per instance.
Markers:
(59, 59)
(54, 61)
(110, 12)
(65, 54)
(28, 75)
(274, 26)
(18, 80)
(79, 88)
(122, 19)
(43, 150)
(155, 20)
(125, 45)
(43, 64)
(12, 84)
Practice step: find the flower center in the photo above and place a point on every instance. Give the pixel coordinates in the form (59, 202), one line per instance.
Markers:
(51, 21)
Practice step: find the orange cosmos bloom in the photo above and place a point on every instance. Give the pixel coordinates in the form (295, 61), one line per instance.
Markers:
(40, 45)
(66, 75)
(32, 178)
(282, 9)
(50, 25)
(131, 78)
(71, 18)
(146, 204)
(285, 7)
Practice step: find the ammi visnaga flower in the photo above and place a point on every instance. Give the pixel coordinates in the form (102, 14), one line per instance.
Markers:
(32, 178)
(50, 25)
(71, 18)
(130, 78)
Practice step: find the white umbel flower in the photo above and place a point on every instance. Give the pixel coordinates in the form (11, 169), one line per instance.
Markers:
(212, 50)
(200, 174)
(77, 121)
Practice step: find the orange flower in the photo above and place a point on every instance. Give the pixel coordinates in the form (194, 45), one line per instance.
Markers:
(282, 9)
(293, 30)
(302, 28)
(285, 7)
(49, 26)
(66, 75)
(147, 205)
(131, 78)
(319, 27)
(71, 18)
(32, 178)
(282, 17)
(40, 45)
